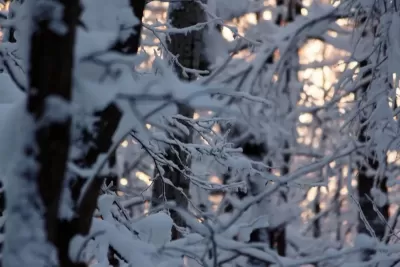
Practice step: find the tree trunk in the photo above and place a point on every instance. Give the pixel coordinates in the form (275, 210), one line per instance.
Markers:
(278, 236)
(45, 158)
(190, 51)
(316, 211)
(338, 205)
(33, 198)
(367, 182)
(131, 44)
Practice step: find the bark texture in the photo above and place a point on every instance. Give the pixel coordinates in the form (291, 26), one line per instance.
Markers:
(189, 50)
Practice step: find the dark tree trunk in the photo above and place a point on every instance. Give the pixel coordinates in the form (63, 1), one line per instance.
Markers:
(367, 182)
(131, 44)
(51, 67)
(188, 47)
(338, 205)
(278, 236)
(190, 51)
(51, 58)
(317, 200)
(317, 210)
(50, 76)
(256, 151)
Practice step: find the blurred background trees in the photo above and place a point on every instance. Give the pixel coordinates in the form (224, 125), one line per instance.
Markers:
(268, 131)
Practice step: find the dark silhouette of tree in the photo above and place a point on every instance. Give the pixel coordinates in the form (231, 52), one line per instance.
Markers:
(51, 59)
(50, 79)
(189, 50)
(367, 181)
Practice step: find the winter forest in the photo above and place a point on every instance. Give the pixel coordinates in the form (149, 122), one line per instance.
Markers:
(199, 133)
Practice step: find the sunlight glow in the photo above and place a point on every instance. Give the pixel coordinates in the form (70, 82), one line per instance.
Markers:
(324, 190)
(215, 180)
(305, 118)
(267, 15)
(215, 199)
(304, 11)
(398, 96)
(251, 18)
(227, 34)
(216, 128)
(124, 143)
(146, 207)
(395, 80)
(353, 64)
(5, 6)
(393, 157)
(123, 181)
(332, 33)
(143, 177)
(312, 193)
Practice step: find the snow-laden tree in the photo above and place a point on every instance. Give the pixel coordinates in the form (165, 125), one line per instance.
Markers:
(187, 53)
(38, 171)
(70, 121)
(74, 90)
(377, 127)
(335, 148)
